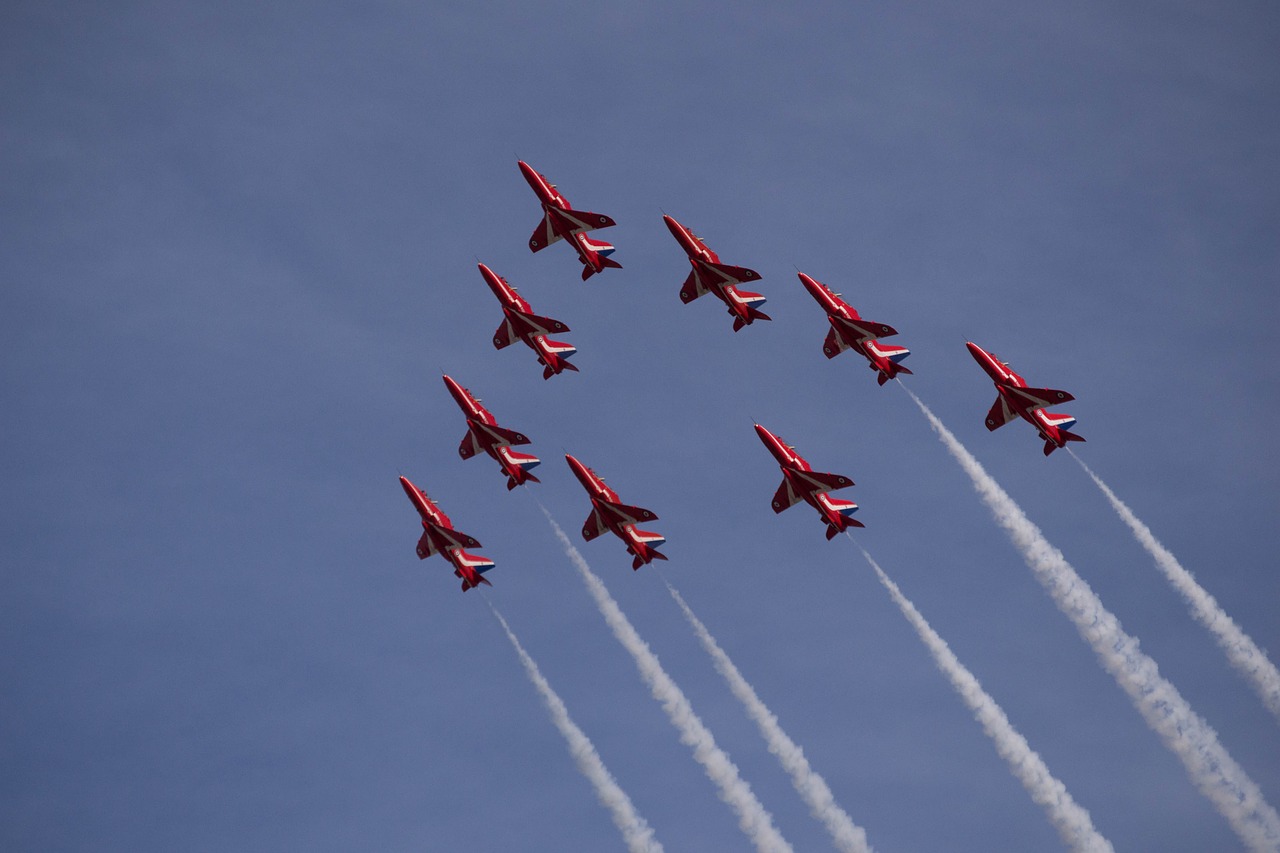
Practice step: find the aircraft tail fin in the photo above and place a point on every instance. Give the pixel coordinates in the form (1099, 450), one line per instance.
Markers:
(517, 467)
(1050, 445)
(840, 517)
(556, 359)
(844, 523)
(645, 554)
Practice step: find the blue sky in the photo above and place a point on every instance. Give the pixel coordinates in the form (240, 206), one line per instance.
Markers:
(240, 248)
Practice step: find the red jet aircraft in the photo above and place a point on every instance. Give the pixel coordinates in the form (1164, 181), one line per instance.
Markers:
(710, 275)
(562, 222)
(802, 483)
(439, 537)
(484, 435)
(1017, 400)
(520, 323)
(608, 513)
(850, 331)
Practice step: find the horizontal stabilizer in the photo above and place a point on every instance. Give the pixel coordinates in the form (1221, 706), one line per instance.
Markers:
(845, 524)
(1059, 419)
(647, 555)
(560, 348)
(600, 247)
(752, 316)
(527, 461)
(648, 536)
(525, 477)
(557, 366)
(889, 351)
(475, 561)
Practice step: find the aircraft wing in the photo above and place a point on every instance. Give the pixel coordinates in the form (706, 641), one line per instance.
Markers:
(1045, 396)
(536, 325)
(732, 274)
(425, 547)
(469, 446)
(593, 527)
(1000, 414)
(504, 336)
(632, 514)
(544, 235)
(825, 482)
(785, 497)
(457, 539)
(692, 288)
(581, 220)
(510, 436)
(834, 344)
(873, 330)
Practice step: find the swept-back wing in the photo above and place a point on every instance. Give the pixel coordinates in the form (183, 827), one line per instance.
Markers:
(593, 526)
(1000, 414)
(785, 497)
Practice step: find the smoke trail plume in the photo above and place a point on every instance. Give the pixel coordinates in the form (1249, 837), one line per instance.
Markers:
(1073, 823)
(635, 830)
(753, 819)
(1240, 650)
(1235, 796)
(848, 836)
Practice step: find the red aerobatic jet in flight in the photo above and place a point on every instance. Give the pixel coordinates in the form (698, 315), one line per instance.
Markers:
(802, 483)
(562, 222)
(485, 436)
(520, 323)
(608, 513)
(1017, 400)
(850, 331)
(439, 537)
(710, 275)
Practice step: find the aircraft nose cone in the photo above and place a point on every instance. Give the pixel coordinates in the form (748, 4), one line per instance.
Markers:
(454, 389)
(672, 225)
(975, 350)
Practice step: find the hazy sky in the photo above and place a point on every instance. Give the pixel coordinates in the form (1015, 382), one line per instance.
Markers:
(240, 246)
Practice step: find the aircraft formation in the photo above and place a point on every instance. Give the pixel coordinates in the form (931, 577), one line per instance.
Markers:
(848, 331)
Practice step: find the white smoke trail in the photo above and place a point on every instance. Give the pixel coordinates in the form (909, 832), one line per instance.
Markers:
(1073, 823)
(1240, 650)
(635, 830)
(753, 819)
(848, 836)
(1235, 796)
